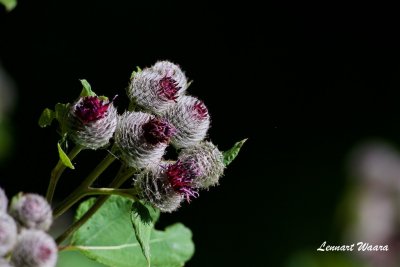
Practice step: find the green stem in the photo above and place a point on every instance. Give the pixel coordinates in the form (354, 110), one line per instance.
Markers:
(58, 171)
(83, 189)
(124, 174)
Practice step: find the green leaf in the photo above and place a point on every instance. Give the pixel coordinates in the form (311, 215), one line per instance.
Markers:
(231, 154)
(138, 69)
(108, 238)
(9, 4)
(143, 222)
(64, 157)
(61, 112)
(46, 118)
(87, 89)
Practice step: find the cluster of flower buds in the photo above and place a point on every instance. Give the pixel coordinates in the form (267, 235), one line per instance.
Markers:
(161, 113)
(23, 238)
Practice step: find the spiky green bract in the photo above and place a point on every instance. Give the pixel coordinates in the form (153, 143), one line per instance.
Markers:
(209, 160)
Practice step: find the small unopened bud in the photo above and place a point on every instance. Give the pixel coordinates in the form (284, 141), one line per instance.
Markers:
(8, 233)
(158, 87)
(3, 201)
(209, 160)
(142, 138)
(191, 119)
(31, 211)
(92, 121)
(155, 188)
(34, 248)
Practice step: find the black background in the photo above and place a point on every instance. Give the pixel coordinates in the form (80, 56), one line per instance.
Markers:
(304, 84)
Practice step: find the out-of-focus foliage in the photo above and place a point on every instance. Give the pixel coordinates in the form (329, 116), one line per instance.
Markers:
(9, 4)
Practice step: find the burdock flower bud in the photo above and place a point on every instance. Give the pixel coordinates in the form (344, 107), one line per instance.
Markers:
(209, 160)
(92, 122)
(191, 119)
(3, 201)
(158, 87)
(142, 138)
(34, 248)
(31, 211)
(8, 233)
(154, 187)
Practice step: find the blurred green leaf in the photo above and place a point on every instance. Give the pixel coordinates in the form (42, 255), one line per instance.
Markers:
(46, 118)
(9, 4)
(87, 89)
(231, 154)
(108, 238)
(64, 157)
(75, 258)
(143, 219)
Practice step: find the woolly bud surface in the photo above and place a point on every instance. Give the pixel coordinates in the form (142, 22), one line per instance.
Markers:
(158, 87)
(155, 188)
(31, 211)
(142, 138)
(92, 122)
(209, 160)
(8, 233)
(191, 119)
(3, 201)
(35, 248)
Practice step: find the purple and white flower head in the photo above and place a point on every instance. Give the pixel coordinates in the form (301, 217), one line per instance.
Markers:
(31, 211)
(157, 88)
(3, 201)
(34, 248)
(142, 138)
(166, 186)
(191, 119)
(8, 233)
(209, 161)
(92, 121)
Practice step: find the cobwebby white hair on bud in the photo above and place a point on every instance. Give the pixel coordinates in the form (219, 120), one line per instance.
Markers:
(8, 234)
(94, 134)
(31, 211)
(129, 138)
(209, 160)
(154, 187)
(146, 89)
(34, 248)
(3, 201)
(191, 120)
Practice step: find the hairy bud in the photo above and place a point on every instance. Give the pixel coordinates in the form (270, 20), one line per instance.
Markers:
(209, 160)
(155, 188)
(92, 122)
(8, 233)
(34, 248)
(191, 119)
(142, 138)
(31, 211)
(3, 201)
(158, 87)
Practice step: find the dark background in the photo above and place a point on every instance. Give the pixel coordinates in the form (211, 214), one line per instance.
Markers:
(303, 83)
